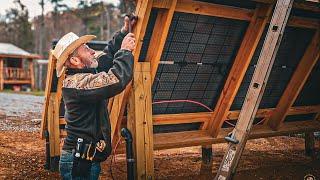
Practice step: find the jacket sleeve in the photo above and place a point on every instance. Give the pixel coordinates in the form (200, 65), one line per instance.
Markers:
(115, 44)
(104, 85)
(105, 59)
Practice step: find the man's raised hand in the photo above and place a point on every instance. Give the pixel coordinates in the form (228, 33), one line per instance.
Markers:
(129, 42)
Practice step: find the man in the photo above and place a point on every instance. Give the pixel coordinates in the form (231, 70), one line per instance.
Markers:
(87, 86)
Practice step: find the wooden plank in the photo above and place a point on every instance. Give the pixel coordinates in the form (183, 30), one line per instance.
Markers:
(32, 56)
(17, 81)
(56, 118)
(31, 69)
(1, 74)
(140, 121)
(239, 67)
(50, 124)
(296, 21)
(202, 137)
(210, 9)
(256, 89)
(183, 118)
(159, 36)
(109, 106)
(143, 10)
(50, 70)
(296, 82)
(299, 4)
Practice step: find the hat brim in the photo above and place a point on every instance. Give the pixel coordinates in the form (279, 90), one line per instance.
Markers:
(64, 55)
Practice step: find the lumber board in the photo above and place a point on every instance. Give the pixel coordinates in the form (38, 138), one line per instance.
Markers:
(159, 36)
(50, 124)
(210, 9)
(31, 69)
(165, 119)
(56, 116)
(305, 5)
(202, 137)
(140, 121)
(239, 67)
(17, 81)
(296, 82)
(47, 92)
(302, 22)
(1, 74)
(218, 10)
(143, 10)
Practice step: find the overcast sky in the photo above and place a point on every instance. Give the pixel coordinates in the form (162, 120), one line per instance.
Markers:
(35, 9)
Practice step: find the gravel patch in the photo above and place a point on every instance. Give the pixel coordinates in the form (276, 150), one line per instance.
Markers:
(18, 112)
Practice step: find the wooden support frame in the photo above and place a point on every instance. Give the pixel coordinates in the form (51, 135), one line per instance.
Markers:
(297, 82)
(217, 10)
(1, 74)
(140, 121)
(204, 117)
(238, 70)
(31, 69)
(159, 35)
(258, 18)
(51, 64)
(143, 10)
(255, 92)
(202, 138)
(309, 143)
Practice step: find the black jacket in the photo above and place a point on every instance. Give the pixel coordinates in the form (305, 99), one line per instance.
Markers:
(85, 93)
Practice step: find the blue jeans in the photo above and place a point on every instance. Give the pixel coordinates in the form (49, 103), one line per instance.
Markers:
(66, 163)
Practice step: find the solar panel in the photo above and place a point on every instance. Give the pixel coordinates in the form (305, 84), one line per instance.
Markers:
(201, 50)
(291, 50)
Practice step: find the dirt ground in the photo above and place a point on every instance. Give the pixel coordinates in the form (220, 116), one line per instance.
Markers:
(22, 152)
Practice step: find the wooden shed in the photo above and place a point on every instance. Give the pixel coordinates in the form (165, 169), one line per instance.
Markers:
(16, 66)
(196, 66)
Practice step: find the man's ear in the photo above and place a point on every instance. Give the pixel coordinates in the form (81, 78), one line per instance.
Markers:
(75, 61)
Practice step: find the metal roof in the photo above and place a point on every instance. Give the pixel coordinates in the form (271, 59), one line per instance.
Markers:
(10, 50)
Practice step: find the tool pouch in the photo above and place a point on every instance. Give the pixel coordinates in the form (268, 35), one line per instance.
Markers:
(81, 167)
(100, 156)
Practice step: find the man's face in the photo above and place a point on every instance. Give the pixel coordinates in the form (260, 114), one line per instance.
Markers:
(86, 55)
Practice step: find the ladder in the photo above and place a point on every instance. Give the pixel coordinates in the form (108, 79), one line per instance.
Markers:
(238, 137)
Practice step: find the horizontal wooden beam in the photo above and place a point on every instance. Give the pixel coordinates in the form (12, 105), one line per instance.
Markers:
(17, 81)
(210, 9)
(32, 56)
(202, 137)
(165, 119)
(296, 21)
(309, 6)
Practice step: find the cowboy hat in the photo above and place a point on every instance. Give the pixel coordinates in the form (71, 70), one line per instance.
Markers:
(65, 46)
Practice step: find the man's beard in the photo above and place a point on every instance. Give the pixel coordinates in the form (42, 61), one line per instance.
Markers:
(90, 63)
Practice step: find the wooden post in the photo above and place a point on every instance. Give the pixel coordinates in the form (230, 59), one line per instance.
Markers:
(51, 66)
(57, 102)
(296, 83)
(206, 165)
(239, 67)
(31, 74)
(50, 123)
(1, 75)
(143, 10)
(240, 134)
(159, 35)
(140, 121)
(309, 144)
